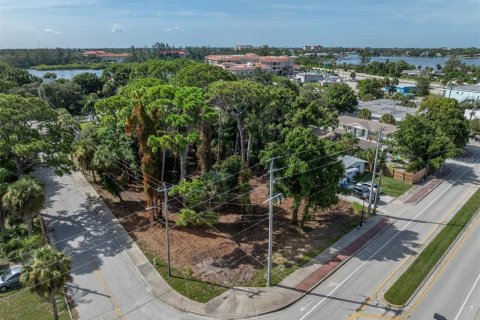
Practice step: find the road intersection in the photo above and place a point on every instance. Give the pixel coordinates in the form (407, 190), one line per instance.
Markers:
(108, 286)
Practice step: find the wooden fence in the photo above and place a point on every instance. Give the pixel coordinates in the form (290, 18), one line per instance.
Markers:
(402, 175)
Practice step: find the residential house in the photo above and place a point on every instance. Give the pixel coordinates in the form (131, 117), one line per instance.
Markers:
(353, 166)
(410, 73)
(406, 89)
(365, 130)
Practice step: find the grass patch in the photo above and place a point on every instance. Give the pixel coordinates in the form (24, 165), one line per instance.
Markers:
(24, 305)
(357, 207)
(391, 187)
(182, 282)
(409, 281)
(71, 66)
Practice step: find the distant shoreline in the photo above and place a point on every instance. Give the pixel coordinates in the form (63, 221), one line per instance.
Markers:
(70, 66)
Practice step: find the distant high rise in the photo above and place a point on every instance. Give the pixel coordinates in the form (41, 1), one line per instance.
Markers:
(312, 48)
(239, 47)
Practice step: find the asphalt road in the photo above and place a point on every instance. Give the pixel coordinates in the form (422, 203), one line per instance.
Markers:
(107, 286)
(350, 293)
(454, 291)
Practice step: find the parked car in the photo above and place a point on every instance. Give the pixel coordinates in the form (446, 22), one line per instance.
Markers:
(362, 192)
(10, 278)
(368, 185)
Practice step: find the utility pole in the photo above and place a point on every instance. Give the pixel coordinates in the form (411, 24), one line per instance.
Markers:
(374, 170)
(165, 214)
(378, 190)
(270, 223)
(270, 226)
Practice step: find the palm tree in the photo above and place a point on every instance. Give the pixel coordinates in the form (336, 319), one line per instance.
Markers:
(369, 155)
(24, 198)
(388, 118)
(365, 114)
(47, 273)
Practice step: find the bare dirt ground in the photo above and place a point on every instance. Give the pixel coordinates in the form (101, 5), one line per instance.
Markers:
(230, 252)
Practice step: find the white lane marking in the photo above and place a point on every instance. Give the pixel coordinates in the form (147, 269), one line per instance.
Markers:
(382, 247)
(468, 297)
(305, 306)
(332, 284)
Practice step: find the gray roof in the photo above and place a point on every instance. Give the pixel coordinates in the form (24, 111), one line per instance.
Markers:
(383, 106)
(471, 88)
(349, 161)
(367, 124)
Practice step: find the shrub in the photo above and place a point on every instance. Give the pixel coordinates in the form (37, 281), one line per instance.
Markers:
(188, 217)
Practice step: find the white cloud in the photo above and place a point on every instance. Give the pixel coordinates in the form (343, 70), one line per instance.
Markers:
(118, 28)
(49, 30)
(176, 28)
(26, 28)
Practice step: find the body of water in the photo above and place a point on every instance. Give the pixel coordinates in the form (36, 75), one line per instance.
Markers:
(416, 61)
(64, 74)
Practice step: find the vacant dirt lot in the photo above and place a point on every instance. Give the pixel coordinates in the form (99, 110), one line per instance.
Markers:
(230, 252)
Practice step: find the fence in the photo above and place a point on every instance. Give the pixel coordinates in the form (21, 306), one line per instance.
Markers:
(402, 175)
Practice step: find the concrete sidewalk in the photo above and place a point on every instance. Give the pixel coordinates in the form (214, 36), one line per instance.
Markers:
(239, 302)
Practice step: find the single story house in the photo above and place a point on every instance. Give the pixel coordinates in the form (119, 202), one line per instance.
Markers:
(380, 107)
(410, 73)
(364, 129)
(353, 166)
(406, 89)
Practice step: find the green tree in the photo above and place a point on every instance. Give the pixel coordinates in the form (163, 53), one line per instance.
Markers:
(423, 86)
(370, 88)
(421, 143)
(30, 134)
(307, 112)
(200, 75)
(388, 118)
(474, 125)
(62, 94)
(369, 155)
(187, 109)
(5, 177)
(447, 117)
(240, 100)
(24, 198)
(47, 273)
(339, 97)
(364, 114)
(365, 56)
(353, 75)
(311, 172)
(89, 82)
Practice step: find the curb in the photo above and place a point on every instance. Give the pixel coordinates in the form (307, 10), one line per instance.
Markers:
(434, 269)
(442, 181)
(184, 309)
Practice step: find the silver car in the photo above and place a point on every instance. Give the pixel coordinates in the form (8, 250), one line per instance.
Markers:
(11, 278)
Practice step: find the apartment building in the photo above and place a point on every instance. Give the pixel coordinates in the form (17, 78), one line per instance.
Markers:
(245, 64)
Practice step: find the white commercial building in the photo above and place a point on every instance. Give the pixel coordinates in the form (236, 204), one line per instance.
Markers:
(463, 93)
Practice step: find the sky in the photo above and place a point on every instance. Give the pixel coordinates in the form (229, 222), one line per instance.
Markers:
(279, 23)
